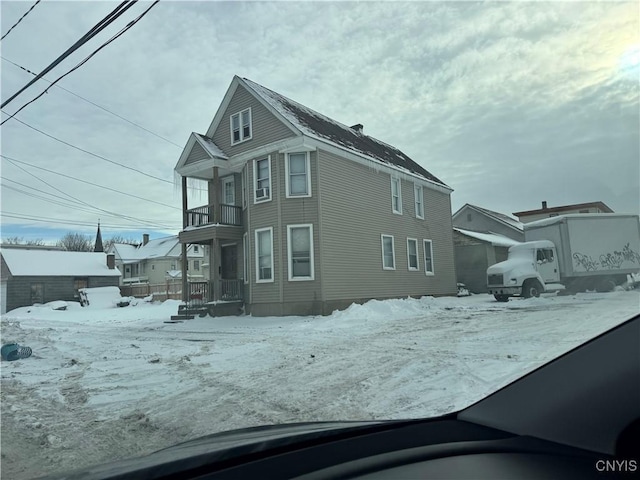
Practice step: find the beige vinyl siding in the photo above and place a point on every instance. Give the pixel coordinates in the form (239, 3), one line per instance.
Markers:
(265, 127)
(262, 215)
(197, 153)
(296, 211)
(356, 209)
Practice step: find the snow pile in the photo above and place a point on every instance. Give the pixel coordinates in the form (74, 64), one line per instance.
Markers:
(100, 297)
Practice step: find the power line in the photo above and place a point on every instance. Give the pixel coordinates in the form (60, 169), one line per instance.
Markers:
(72, 222)
(90, 153)
(20, 19)
(95, 104)
(117, 35)
(97, 28)
(125, 217)
(90, 183)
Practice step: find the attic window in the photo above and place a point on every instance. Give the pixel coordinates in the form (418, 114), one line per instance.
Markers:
(241, 126)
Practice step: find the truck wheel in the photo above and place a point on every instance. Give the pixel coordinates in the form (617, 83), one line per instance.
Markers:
(501, 298)
(531, 288)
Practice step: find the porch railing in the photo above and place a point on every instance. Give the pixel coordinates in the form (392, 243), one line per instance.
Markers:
(204, 215)
(232, 289)
(198, 292)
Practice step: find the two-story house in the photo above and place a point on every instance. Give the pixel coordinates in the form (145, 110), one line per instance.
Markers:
(306, 215)
(158, 261)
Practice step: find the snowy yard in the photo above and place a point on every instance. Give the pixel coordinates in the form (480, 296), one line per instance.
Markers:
(106, 383)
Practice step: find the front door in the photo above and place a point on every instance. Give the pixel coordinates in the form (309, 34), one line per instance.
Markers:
(229, 262)
(547, 265)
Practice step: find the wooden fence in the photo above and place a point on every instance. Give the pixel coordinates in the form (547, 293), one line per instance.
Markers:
(160, 291)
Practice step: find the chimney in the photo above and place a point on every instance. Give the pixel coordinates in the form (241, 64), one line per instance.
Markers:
(357, 127)
(111, 261)
(145, 239)
(544, 205)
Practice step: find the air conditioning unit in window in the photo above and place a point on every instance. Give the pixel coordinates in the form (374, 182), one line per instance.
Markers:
(262, 193)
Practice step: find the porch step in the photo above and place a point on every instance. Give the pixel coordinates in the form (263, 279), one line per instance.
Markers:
(182, 316)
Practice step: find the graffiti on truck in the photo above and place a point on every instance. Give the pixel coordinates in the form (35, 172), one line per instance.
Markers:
(607, 261)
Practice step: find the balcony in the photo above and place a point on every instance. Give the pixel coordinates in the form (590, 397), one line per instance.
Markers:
(206, 223)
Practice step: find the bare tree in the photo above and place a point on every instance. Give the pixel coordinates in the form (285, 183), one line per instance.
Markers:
(22, 241)
(119, 239)
(76, 242)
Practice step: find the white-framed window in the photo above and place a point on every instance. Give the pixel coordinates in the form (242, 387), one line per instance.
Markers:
(241, 126)
(388, 252)
(196, 264)
(262, 180)
(396, 196)
(419, 199)
(300, 252)
(245, 257)
(428, 257)
(412, 254)
(298, 174)
(229, 190)
(264, 255)
(245, 190)
(195, 249)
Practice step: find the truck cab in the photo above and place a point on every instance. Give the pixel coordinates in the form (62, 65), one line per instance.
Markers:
(529, 269)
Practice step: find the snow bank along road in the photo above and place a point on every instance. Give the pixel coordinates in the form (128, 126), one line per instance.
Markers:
(119, 382)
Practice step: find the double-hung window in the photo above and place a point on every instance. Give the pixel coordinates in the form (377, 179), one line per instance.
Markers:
(264, 255)
(298, 175)
(228, 190)
(245, 257)
(388, 252)
(396, 196)
(241, 126)
(428, 257)
(262, 176)
(300, 252)
(412, 254)
(418, 195)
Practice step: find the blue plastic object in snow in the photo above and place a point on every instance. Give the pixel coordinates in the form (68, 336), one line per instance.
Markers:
(13, 351)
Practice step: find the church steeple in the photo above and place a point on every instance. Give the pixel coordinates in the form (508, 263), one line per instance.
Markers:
(98, 247)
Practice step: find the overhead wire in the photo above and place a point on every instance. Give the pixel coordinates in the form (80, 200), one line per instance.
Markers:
(20, 19)
(90, 183)
(97, 28)
(95, 104)
(71, 222)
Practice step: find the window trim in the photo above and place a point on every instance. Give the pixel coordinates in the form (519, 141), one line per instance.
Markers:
(290, 256)
(424, 244)
(417, 267)
(226, 180)
(307, 159)
(242, 137)
(393, 251)
(417, 195)
(257, 246)
(245, 188)
(396, 179)
(255, 180)
(245, 258)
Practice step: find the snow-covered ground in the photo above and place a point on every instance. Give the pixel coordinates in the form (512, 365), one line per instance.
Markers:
(106, 383)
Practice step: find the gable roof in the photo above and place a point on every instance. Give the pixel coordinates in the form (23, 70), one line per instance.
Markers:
(601, 205)
(157, 248)
(57, 263)
(314, 124)
(500, 217)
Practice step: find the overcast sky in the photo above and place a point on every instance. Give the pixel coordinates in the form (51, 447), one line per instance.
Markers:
(509, 103)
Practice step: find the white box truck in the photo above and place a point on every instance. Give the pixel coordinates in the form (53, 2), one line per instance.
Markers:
(569, 252)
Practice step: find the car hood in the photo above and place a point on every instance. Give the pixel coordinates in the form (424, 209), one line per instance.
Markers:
(226, 446)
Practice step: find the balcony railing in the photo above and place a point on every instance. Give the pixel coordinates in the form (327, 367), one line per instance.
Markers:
(227, 215)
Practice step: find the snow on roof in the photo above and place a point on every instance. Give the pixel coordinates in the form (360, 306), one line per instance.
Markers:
(493, 238)
(512, 222)
(209, 145)
(316, 125)
(160, 247)
(56, 263)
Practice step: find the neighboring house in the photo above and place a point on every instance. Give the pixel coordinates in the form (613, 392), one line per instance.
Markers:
(32, 276)
(475, 252)
(477, 219)
(306, 215)
(546, 212)
(157, 261)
